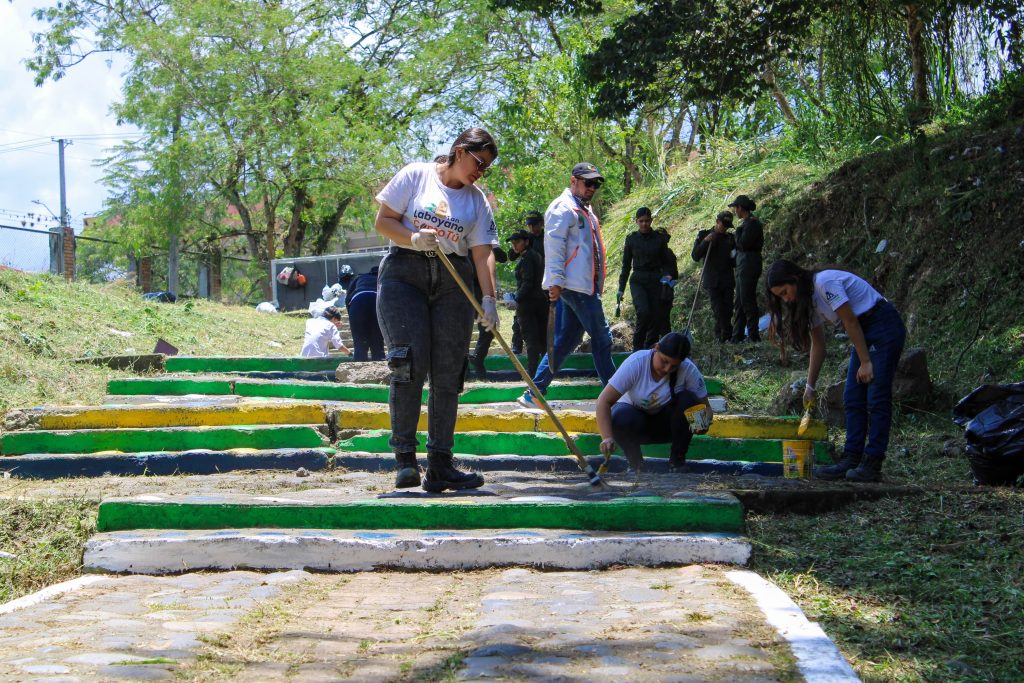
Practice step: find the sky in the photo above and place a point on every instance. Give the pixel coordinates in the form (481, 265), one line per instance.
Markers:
(75, 108)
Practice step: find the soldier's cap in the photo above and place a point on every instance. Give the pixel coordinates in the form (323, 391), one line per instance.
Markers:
(519, 235)
(533, 217)
(744, 202)
(586, 170)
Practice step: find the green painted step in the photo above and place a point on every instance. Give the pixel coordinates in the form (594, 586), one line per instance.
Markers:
(720, 513)
(163, 439)
(327, 391)
(169, 387)
(540, 443)
(574, 361)
(249, 364)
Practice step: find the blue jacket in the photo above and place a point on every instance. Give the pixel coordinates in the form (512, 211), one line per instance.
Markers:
(571, 234)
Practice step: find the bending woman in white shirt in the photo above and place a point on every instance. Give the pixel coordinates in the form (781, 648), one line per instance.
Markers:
(646, 399)
(321, 332)
(801, 302)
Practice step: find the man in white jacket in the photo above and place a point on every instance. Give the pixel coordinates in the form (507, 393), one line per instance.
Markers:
(574, 274)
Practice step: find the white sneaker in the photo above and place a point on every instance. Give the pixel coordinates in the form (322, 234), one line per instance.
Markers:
(526, 401)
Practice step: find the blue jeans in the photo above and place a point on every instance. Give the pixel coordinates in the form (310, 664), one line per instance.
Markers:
(427, 322)
(577, 313)
(366, 335)
(869, 406)
(632, 427)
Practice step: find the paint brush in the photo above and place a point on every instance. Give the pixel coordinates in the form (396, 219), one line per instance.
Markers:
(805, 421)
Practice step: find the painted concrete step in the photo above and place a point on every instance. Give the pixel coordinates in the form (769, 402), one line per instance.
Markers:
(328, 550)
(473, 419)
(156, 439)
(295, 363)
(546, 444)
(198, 461)
(475, 392)
(474, 510)
(166, 415)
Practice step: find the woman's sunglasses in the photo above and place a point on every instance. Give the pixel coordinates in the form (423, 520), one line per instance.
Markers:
(480, 164)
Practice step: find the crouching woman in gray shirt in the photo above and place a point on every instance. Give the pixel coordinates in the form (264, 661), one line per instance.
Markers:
(646, 400)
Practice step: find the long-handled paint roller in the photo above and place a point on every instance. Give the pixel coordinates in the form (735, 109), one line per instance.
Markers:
(595, 478)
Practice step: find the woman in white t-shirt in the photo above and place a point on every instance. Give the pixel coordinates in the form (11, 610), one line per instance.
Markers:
(322, 331)
(801, 302)
(426, 319)
(646, 399)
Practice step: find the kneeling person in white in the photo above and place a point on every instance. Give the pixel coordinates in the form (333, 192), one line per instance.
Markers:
(320, 332)
(646, 400)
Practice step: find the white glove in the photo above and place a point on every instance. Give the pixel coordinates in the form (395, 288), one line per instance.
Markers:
(490, 319)
(810, 395)
(424, 240)
(607, 447)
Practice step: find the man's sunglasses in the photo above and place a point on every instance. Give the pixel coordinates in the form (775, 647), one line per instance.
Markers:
(593, 184)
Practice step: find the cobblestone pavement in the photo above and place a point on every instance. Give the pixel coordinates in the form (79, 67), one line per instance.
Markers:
(677, 624)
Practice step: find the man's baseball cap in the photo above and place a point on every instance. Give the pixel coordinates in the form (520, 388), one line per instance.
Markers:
(586, 170)
(534, 217)
(744, 202)
(519, 235)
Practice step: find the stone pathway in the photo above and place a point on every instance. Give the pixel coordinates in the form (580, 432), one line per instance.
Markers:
(679, 624)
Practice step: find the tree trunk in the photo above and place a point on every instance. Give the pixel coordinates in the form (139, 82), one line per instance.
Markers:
(329, 227)
(296, 227)
(920, 112)
(780, 97)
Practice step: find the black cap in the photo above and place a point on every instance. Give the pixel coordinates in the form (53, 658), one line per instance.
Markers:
(586, 170)
(744, 202)
(519, 235)
(534, 217)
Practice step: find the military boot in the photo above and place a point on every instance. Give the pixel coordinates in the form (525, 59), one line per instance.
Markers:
(870, 469)
(838, 470)
(441, 475)
(408, 473)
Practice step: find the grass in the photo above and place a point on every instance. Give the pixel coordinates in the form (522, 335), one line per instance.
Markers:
(46, 322)
(46, 538)
(922, 589)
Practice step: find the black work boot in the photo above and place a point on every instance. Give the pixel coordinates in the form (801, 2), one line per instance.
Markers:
(442, 475)
(838, 470)
(408, 473)
(869, 470)
(677, 465)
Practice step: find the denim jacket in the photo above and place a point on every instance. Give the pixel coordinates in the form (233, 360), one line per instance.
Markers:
(570, 236)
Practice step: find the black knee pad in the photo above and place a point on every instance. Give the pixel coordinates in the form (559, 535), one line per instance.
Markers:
(400, 364)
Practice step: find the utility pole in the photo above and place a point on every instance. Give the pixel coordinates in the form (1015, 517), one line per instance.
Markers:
(57, 235)
(66, 242)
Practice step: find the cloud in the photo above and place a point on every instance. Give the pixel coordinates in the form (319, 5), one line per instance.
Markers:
(73, 107)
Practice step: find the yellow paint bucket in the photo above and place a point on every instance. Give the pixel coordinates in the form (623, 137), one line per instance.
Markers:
(797, 459)
(698, 418)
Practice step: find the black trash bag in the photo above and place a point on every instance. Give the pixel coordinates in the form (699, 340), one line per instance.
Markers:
(993, 421)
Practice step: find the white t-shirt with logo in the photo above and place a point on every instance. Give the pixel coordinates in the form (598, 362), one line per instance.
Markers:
(462, 217)
(637, 385)
(319, 333)
(833, 288)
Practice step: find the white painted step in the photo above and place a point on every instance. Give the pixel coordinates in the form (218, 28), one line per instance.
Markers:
(164, 552)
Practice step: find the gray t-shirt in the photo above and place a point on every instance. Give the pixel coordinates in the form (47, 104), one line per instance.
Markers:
(637, 385)
(462, 217)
